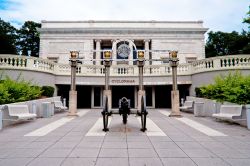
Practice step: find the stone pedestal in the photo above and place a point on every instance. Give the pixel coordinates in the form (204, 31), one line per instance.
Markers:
(140, 94)
(175, 104)
(108, 93)
(72, 103)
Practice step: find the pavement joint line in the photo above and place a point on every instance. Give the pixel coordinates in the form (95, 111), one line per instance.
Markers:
(200, 127)
(52, 126)
(96, 129)
(152, 128)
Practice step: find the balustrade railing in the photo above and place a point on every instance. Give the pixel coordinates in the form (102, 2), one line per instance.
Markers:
(209, 64)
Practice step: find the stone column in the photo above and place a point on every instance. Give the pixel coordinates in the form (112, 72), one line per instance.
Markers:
(131, 53)
(114, 52)
(146, 46)
(73, 92)
(98, 53)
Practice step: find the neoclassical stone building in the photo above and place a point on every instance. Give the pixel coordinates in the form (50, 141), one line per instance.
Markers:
(124, 38)
(60, 37)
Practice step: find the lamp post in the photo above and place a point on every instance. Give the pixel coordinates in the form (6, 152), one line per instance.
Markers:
(173, 59)
(107, 63)
(74, 55)
(140, 64)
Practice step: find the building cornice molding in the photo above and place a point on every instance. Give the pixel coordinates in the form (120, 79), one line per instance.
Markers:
(123, 30)
(121, 21)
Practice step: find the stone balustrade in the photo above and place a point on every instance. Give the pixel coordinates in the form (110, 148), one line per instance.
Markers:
(42, 65)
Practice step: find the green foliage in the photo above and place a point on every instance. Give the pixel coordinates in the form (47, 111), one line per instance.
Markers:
(17, 91)
(48, 91)
(222, 43)
(25, 39)
(29, 38)
(8, 36)
(233, 88)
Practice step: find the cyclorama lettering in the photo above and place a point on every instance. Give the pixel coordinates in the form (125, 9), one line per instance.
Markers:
(123, 81)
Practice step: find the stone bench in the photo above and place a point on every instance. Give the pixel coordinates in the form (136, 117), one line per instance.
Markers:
(188, 106)
(18, 112)
(229, 112)
(59, 106)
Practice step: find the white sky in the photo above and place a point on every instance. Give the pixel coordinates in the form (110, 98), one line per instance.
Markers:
(223, 15)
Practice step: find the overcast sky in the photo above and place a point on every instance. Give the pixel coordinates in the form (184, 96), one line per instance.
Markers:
(218, 15)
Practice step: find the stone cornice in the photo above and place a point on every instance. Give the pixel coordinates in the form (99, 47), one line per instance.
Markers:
(121, 21)
(123, 30)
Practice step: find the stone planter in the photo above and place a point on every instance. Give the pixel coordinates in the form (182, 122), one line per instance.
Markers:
(199, 109)
(248, 116)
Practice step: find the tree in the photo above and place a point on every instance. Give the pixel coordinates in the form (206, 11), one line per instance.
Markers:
(29, 38)
(8, 36)
(223, 43)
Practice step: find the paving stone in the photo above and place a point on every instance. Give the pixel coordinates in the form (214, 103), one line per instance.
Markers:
(38, 145)
(177, 162)
(239, 162)
(113, 153)
(15, 161)
(165, 145)
(189, 145)
(142, 153)
(79, 162)
(199, 153)
(54, 153)
(66, 145)
(171, 153)
(46, 162)
(118, 145)
(159, 138)
(112, 162)
(209, 162)
(25, 153)
(145, 161)
(85, 152)
(139, 145)
(228, 153)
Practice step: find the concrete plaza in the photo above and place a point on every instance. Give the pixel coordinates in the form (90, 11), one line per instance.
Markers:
(66, 141)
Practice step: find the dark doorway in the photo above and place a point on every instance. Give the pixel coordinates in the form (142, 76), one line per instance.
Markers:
(148, 90)
(97, 96)
(63, 91)
(184, 91)
(122, 91)
(163, 96)
(83, 95)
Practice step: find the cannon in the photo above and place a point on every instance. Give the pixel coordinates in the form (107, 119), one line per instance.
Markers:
(124, 108)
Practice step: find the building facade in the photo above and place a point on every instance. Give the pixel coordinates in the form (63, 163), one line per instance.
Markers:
(124, 38)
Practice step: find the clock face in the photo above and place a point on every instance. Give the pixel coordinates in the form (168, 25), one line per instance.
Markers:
(123, 50)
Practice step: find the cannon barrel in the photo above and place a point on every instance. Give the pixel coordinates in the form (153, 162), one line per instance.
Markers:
(124, 106)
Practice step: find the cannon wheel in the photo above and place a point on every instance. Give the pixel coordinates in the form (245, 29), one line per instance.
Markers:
(124, 118)
(105, 115)
(143, 115)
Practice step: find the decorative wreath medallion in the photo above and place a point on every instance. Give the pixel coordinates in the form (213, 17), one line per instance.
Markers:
(123, 50)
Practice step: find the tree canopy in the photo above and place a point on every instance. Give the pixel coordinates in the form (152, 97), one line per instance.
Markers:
(25, 39)
(29, 38)
(8, 37)
(223, 43)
